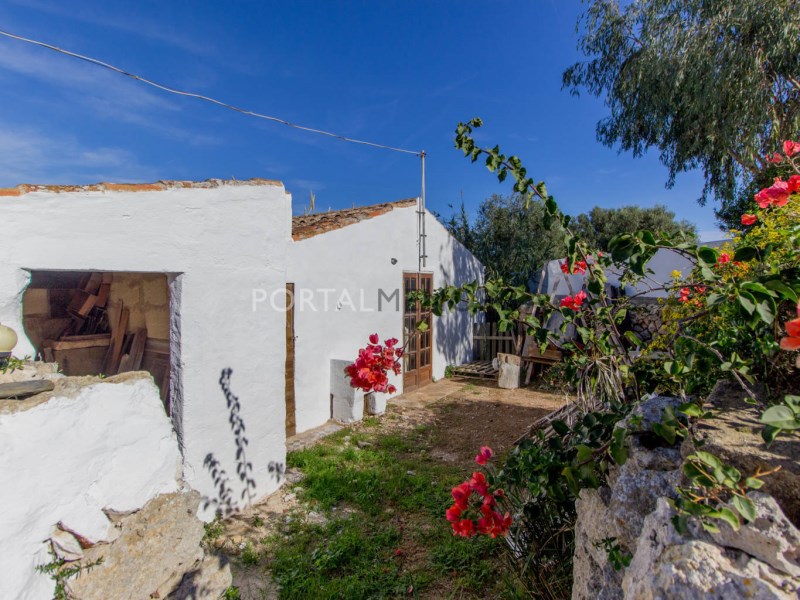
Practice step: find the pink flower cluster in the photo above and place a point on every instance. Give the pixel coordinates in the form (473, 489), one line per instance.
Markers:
(477, 490)
(778, 193)
(792, 339)
(578, 267)
(371, 370)
(574, 302)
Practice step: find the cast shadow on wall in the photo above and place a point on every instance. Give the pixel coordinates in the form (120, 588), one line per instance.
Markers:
(227, 501)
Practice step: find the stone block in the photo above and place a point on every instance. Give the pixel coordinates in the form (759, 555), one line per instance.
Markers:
(347, 401)
(510, 366)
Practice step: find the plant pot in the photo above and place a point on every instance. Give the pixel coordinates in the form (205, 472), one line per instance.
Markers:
(374, 403)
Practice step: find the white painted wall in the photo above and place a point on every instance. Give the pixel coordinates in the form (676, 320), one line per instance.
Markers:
(219, 243)
(358, 257)
(104, 446)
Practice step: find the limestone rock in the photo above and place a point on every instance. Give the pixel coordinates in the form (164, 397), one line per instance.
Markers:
(207, 580)
(510, 367)
(634, 496)
(667, 565)
(771, 537)
(65, 546)
(156, 546)
(734, 435)
(593, 576)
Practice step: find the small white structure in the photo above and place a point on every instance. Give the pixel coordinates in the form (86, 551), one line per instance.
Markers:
(214, 242)
(350, 270)
(660, 268)
(65, 459)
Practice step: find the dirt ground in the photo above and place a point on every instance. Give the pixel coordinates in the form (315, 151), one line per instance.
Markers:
(462, 415)
(468, 414)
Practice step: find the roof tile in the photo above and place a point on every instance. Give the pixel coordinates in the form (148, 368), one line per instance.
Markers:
(158, 186)
(306, 226)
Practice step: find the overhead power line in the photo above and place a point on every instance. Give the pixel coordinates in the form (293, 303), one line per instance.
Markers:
(178, 92)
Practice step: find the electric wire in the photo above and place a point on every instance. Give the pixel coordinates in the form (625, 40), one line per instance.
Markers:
(178, 92)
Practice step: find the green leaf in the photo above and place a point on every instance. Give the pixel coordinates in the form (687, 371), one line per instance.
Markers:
(707, 458)
(780, 416)
(784, 290)
(747, 302)
(707, 255)
(769, 433)
(745, 253)
(617, 449)
(745, 507)
(754, 483)
(754, 286)
(727, 515)
(690, 409)
(560, 427)
(765, 311)
(666, 432)
(633, 338)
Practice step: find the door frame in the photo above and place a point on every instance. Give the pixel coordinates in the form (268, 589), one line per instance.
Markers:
(416, 352)
(290, 400)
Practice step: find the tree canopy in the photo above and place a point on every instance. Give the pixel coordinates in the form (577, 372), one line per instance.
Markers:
(508, 237)
(712, 84)
(599, 225)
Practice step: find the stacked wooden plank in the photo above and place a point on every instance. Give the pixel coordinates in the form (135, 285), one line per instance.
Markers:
(476, 370)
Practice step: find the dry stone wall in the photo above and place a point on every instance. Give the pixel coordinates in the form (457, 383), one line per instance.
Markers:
(761, 560)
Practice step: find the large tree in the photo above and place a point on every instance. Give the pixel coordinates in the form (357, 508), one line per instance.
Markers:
(599, 225)
(508, 237)
(712, 84)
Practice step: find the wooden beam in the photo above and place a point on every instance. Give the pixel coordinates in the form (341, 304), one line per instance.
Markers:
(23, 389)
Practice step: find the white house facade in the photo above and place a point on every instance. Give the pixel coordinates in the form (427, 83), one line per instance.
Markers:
(350, 270)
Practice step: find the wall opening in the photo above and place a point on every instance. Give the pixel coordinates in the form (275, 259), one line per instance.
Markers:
(104, 323)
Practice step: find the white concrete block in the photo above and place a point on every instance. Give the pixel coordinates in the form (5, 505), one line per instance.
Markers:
(348, 402)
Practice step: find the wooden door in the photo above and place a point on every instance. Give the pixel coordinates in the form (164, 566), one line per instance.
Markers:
(417, 360)
(291, 426)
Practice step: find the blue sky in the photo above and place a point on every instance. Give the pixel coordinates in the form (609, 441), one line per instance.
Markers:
(402, 73)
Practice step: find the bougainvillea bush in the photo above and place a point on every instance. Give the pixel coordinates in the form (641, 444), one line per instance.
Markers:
(475, 509)
(370, 371)
(730, 317)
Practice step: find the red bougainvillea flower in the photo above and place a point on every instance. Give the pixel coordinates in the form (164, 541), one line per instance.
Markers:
(574, 302)
(464, 528)
(774, 158)
(748, 219)
(484, 455)
(461, 494)
(370, 370)
(775, 195)
(684, 295)
(724, 258)
(479, 484)
(578, 267)
(453, 514)
(790, 148)
(492, 523)
(792, 339)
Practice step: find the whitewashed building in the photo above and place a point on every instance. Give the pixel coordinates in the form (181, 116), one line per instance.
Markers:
(183, 259)
(350, 270)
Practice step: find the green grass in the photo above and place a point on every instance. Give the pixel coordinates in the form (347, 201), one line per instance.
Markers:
(386, 531)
